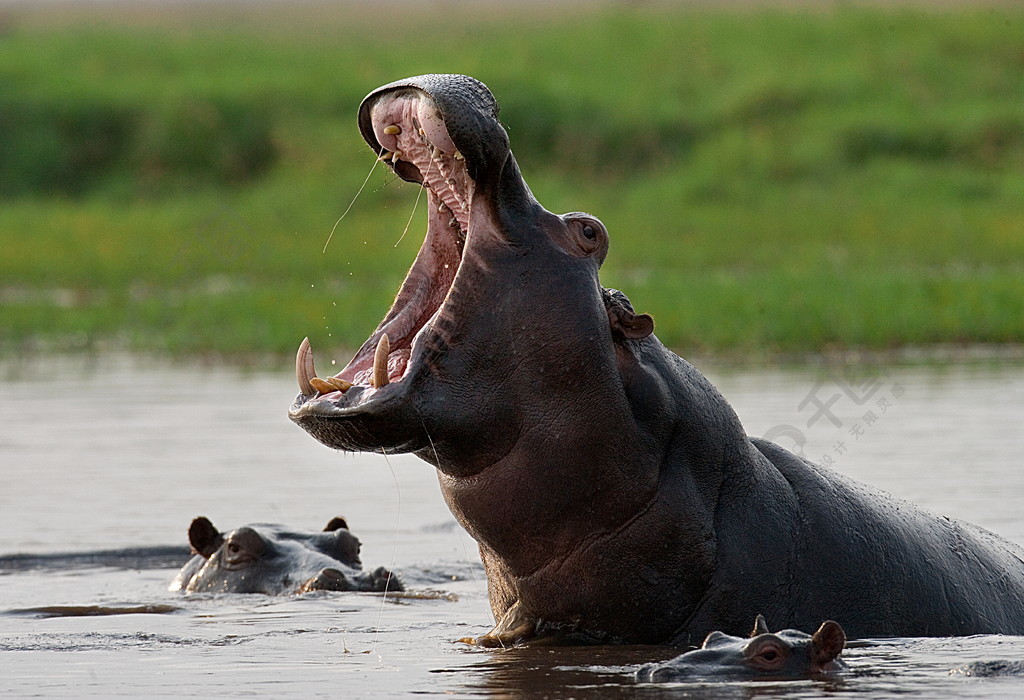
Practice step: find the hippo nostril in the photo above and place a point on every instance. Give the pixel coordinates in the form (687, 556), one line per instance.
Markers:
(660, 673)
(332, 574)
(666, 674)
(330, 579)
(652, 673)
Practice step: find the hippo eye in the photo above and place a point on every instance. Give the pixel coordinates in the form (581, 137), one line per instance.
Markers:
(767, 656)
(583, 236)
(234, 548)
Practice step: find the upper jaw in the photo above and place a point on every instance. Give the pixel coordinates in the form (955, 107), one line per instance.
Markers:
(463, 105)
(407, 128)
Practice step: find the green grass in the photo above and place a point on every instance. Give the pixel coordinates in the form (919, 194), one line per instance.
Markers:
(774, 181)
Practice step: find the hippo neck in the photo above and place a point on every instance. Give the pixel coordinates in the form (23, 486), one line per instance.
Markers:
(658, 418)
(663, 479)
(554, 400)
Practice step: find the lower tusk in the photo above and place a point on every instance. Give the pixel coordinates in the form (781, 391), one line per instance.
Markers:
(304, 370)
(380, 363)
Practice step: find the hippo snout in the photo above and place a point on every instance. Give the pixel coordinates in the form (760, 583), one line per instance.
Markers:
(327, 580)
(657, 673)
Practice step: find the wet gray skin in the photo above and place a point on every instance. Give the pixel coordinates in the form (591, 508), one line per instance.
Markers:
(274, 560)
(988, 669)
(613, 491)
(789, 654)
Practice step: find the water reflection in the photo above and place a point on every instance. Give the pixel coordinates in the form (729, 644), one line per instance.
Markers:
(601, 672)
(562, 671)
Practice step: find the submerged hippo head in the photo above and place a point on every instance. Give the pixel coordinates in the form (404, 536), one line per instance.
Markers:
(271, 559)
(780, 655)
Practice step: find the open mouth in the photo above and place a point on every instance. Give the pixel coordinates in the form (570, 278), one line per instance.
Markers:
(416, 144)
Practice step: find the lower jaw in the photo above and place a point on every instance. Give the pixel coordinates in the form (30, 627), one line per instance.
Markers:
(386, 365)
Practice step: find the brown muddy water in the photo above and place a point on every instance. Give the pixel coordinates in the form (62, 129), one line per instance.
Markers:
(121, 454)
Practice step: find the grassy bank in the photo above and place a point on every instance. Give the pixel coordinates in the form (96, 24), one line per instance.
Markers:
(773, 181)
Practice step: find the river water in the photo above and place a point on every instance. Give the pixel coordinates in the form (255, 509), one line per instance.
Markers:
(122, 454)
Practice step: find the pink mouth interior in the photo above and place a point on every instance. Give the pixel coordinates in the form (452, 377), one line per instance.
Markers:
(424, 142)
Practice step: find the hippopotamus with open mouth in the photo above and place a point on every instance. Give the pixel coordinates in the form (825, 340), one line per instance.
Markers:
(274, 560)
(612, 490)
(788, 654)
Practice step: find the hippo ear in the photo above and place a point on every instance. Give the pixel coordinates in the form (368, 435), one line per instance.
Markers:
(760, 627)
(337, 523)
(827, 643)
(630, 325)
(204, 537)
(625, 322)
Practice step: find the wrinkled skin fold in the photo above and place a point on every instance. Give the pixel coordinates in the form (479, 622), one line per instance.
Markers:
(611, 488)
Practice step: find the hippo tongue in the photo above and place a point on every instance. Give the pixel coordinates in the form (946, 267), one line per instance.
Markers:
(417, 146)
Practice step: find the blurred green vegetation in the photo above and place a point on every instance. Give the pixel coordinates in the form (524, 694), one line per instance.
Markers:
(773, 181)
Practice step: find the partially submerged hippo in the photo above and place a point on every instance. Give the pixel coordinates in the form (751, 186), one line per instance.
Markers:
(989, 669)
(612, 490)
(788, 654)
(274, 560)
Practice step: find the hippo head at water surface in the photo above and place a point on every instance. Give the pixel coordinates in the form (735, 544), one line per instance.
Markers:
(273, 560)
(788, 654)
(611, 488)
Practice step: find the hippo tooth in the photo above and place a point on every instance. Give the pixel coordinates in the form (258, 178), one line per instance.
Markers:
(304, 370)
(395, 156)
(339, 383)
(380, 363)
(321, 385)
(388, 155)
(393, 130)
(458, 156)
